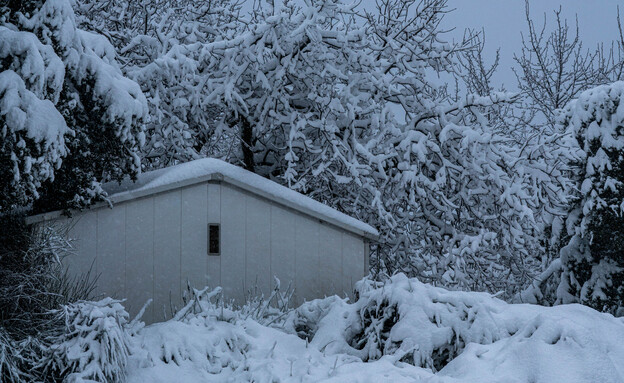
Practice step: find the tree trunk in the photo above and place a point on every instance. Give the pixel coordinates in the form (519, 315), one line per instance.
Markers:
(247, 143)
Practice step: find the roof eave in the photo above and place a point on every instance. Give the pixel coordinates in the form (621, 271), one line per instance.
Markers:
(218, 177)
(126, 196)
(302, 209)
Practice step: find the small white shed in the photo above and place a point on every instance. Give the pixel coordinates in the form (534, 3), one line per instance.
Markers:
(207, 222)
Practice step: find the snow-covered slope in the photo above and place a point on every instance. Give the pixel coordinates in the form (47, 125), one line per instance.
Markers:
(403, 331)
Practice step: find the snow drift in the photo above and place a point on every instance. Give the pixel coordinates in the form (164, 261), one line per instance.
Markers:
(471, 336)
(398, 331)
(402, 330)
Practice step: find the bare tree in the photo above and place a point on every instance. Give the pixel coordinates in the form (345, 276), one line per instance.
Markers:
(509, 119)
(616, 53)
(553, 68)
(475, 72)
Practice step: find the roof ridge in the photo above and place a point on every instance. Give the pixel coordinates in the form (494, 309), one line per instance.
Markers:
(212, 169)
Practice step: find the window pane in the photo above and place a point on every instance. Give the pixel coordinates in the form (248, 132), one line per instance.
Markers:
(213, 239)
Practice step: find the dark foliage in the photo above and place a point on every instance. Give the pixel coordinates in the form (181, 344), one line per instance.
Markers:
(33, 282)
(96, 153)
(103, 136)
(11, 8)
(606, 233)
(33, 287)
(592, 254)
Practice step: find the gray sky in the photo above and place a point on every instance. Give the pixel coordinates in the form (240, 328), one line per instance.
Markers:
(504, 20)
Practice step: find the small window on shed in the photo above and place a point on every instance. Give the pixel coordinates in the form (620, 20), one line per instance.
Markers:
(214, 239)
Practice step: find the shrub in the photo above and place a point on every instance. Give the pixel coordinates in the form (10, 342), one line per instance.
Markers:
(94, 345)
(9, 366)
(270, 311)
(33, 281)
(403, 318)
(204, 334)
(34, 285)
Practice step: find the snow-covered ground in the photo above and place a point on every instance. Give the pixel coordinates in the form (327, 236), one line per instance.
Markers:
(403, 331)
(271, 356)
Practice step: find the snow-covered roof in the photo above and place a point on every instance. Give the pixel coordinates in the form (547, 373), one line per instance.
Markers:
(206, 169)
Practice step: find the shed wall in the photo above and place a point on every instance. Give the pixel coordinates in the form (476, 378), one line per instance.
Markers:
(153, 247)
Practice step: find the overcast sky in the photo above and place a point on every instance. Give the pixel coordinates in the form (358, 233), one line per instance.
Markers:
(503, 20)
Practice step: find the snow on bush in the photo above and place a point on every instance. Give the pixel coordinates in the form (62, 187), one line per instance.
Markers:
(9, 369)
(202, 336)
(399, 331)
(429, 327)
(269, 311)
(205, 345)
(95, 345)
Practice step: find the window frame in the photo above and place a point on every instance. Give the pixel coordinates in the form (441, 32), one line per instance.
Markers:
(218, 239)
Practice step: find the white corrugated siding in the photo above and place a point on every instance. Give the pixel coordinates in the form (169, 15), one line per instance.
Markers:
(153, 246)
(140, 255)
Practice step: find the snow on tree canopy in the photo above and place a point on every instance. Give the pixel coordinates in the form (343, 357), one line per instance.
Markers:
(82, 120)
(593, 259)
(33, 130)
(596, 121)
(34, 62)
(199, 170)
(150, 37)
(340, 104)
(90, 57)
(32, 138)
(23, 111)
(343, 103)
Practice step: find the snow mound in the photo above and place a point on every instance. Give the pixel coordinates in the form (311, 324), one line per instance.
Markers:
(206, 347)
(465, 335)
(567, 344)
(400, 331)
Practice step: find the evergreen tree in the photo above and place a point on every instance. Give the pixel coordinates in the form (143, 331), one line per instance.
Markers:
(593, 256)
(70, 120)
